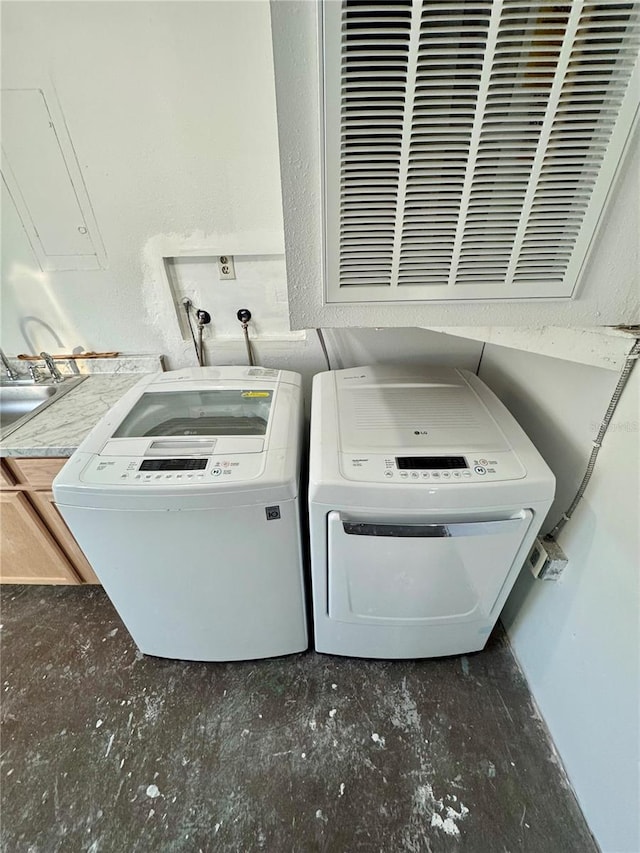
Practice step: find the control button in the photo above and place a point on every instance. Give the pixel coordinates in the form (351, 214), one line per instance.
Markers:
(404, 474)
(483, 462)
(466, 473)
(456, 474)
(147, 476)
(425, 475)
(137, 476)
(480, 470)
(446, 475)
(168, 476)
(178, 476)
(388, 473)
(415, 475)
(216, 472)
(436, 475)
(124, 476)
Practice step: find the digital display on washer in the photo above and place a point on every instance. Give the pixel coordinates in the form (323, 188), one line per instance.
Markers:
(428, 463)
(173, 465)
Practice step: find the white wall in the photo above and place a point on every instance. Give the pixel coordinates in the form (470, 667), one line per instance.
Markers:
(171, 109)
(610, 288)
(578, 640)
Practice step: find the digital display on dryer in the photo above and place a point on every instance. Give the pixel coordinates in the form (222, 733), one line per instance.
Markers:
(430, 463)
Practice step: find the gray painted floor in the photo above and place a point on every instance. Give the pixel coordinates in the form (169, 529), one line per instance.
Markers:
(104, 750)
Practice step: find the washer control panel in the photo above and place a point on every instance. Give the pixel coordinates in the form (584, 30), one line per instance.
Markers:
(431, 470)
(173, 472)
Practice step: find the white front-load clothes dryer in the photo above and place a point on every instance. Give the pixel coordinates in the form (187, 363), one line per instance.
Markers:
(184, 499)
(424, 498)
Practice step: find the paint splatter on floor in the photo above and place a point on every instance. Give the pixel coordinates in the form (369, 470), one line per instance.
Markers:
(435, 756)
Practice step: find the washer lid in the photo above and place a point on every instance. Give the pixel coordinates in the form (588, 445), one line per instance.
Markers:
(384, 409)
(198, 412)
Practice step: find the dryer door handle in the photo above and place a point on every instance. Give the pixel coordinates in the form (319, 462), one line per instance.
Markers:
(432, 530)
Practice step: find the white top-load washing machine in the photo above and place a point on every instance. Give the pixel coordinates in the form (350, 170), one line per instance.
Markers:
(424, 498)
(185, 500)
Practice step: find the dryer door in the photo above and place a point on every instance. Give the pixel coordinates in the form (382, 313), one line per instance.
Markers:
(427, 571)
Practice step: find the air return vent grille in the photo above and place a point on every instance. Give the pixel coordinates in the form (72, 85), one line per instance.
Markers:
(470, 145)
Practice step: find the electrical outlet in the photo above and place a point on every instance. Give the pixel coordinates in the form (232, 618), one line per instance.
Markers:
(226, 268)
(546, 560)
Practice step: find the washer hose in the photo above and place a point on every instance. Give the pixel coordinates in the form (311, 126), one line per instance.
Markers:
(203, 319)
(244, 315)
(323, 344)
(187, 308)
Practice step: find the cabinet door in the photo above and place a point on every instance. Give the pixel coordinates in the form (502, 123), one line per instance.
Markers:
(28, 551)
(43, 501)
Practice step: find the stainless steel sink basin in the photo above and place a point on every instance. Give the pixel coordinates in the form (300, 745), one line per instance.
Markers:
(23, 399)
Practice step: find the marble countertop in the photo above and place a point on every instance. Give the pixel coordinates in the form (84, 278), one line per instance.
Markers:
(59, 429)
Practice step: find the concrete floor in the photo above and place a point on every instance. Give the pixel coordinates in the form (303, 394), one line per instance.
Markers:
(106, 751)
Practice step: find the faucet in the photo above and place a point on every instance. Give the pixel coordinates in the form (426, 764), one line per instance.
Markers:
(53, 370)
(9, 371)
(34, 372)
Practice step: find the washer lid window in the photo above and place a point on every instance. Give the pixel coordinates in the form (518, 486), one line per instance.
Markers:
(226, 411)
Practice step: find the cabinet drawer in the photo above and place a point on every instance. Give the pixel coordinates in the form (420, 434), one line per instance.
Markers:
(35, 473)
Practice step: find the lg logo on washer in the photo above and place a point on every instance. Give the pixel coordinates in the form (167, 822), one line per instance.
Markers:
(421, 432)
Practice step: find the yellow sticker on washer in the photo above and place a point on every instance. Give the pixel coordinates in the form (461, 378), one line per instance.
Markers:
(256, 393)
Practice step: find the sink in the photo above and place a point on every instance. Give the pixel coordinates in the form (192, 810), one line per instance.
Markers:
(23, 399)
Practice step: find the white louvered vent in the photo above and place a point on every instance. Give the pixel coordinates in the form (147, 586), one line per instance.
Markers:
(469, 144)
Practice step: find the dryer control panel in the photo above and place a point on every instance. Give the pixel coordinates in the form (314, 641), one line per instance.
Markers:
(174, 471)
(431, 469)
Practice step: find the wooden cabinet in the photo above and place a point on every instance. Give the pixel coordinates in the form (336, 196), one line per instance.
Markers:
(48, 511)
(35, 473)
(6, 478)
(28, 550)
(36, 546)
